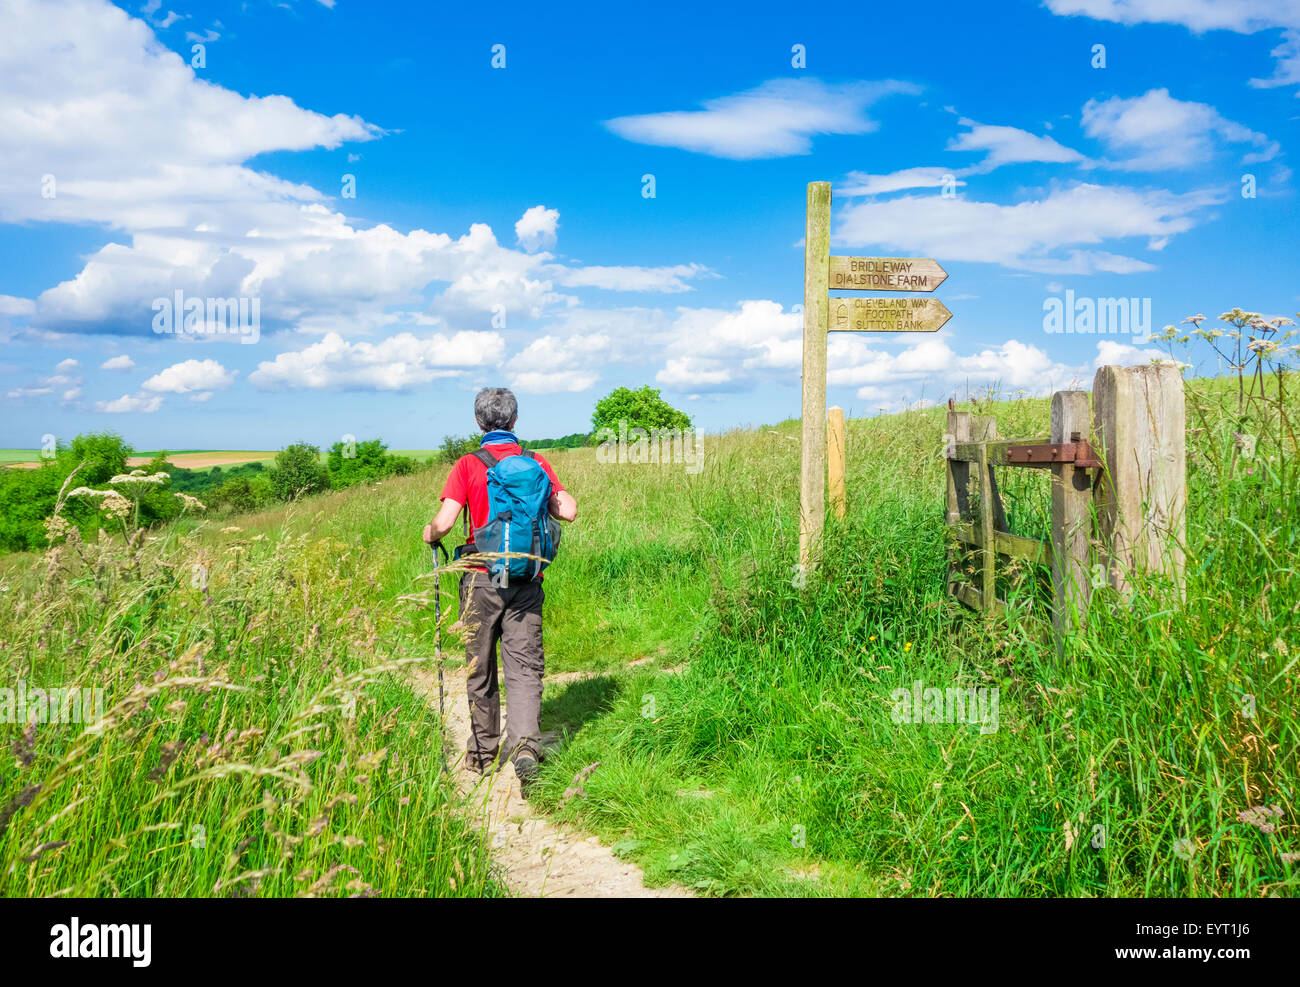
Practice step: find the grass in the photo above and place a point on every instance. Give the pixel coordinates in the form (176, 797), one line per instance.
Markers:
(259, 738)
(750, 750)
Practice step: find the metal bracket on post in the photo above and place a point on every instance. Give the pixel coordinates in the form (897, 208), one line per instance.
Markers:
(1078, 454)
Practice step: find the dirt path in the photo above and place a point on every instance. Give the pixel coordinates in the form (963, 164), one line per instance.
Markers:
(539, 858)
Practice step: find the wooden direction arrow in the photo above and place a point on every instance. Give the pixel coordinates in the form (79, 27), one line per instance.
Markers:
(886, 273)
(887, 314)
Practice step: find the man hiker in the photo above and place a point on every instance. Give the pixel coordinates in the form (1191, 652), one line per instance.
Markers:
(510, 503)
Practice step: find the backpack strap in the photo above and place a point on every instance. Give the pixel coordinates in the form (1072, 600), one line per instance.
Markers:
(489, 461)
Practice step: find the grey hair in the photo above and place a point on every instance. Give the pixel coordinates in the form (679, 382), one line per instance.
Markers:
(495, 407)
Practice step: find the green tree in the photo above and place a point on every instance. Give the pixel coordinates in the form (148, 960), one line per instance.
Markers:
(103, 453)
(297, 472)
(453, 447)
(642, 408)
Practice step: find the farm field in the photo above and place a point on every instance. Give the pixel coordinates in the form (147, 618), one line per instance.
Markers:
(193, 459)
(740, 725)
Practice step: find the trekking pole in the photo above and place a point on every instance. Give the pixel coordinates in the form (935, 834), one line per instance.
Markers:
(437, 646)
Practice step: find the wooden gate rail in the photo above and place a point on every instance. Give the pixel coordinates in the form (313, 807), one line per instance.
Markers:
(974, 441)
(1138, 479)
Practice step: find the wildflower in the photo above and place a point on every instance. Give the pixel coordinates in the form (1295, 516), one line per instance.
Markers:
(1259, 816)
(139, 476)
(907, 646)
(112, 503)
(56, 526)
(189, 501)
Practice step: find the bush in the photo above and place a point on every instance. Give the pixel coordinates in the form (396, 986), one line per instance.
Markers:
(242, 494)
(364, 462)
(297, 472)
(26, 499)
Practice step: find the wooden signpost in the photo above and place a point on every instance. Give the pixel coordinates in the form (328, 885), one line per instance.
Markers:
(823, 314)
(887, 314)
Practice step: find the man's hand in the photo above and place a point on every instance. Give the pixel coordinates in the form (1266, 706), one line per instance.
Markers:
(563, 507)
(428, 535)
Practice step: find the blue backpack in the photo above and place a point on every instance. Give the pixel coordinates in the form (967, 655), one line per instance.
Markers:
(518, 520)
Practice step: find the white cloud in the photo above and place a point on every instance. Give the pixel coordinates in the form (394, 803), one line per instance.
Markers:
(1009, 145)
(776, 119)
(858, 183)
(78, 74)
(1054, 234)
(1124, 355)
(1002, 146)
(63, 378)
(535, 229)
(882, 375)
(190, 376)
(398, 363)
(1155, 132)
(1287, 71)
(717, 349)
(9, 305)
(119, 362)
(552, 365)
(144, 403)
(662, 279)
(1243, 16)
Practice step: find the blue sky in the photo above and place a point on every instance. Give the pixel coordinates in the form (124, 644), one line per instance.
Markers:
(500, 231)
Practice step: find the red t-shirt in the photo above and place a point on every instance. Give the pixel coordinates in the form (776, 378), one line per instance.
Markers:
(467, 482)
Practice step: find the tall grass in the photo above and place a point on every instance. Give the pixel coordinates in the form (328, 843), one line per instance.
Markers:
(1137, 767)
(259, 737)
(768, 762)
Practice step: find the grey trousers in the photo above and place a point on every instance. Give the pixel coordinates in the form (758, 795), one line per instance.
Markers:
(513, 616)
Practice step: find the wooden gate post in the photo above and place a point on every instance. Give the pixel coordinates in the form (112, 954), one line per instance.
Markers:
(816, 276)
(836, 462)
(959, 430)
(1071, 519)
(1141, 425)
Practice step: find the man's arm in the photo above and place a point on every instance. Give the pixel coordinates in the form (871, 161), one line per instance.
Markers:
(562, 506)
(444, 521)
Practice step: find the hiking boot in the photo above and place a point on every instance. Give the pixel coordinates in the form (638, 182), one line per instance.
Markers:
(478, 765)
(526, 771)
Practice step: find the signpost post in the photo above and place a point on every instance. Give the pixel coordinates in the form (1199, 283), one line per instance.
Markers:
(823, 314)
